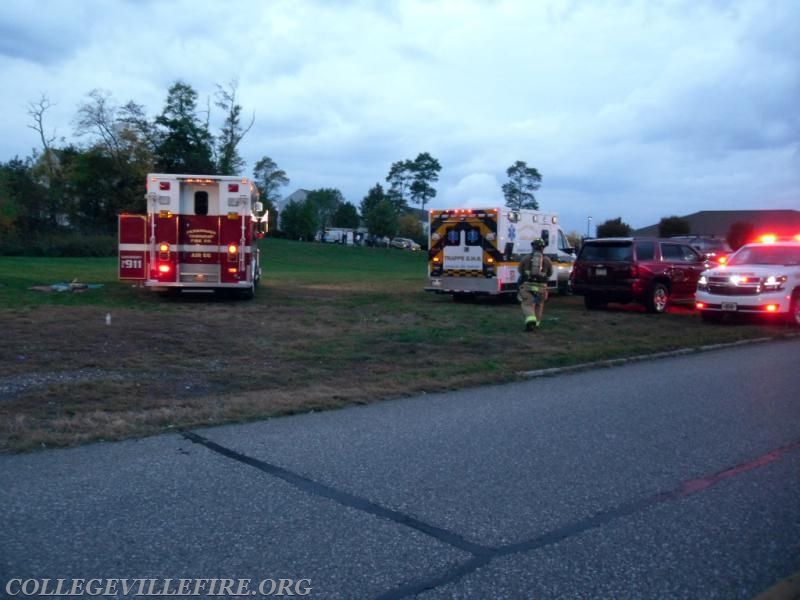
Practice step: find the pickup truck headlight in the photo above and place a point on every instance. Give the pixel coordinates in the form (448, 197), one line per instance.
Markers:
(773, 283)
(702, 284)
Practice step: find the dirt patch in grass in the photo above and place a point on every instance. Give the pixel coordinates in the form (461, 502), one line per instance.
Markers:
(69, 377)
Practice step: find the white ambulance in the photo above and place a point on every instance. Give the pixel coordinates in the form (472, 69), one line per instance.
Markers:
(476, 251)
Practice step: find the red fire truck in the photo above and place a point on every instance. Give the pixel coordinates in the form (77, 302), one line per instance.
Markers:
(200, 233)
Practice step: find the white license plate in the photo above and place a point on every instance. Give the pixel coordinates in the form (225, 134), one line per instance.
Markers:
(600, 272)
(729, 306)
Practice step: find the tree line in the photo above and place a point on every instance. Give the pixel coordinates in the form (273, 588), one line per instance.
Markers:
(78, 188)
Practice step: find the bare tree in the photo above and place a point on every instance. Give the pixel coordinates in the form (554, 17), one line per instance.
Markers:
(124, 133)
(37, 111)
(229, 161)
(98, 116)
(47, 170)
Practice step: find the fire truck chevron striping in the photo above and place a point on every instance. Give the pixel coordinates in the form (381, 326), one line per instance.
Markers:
(200, 233)
(476, 251)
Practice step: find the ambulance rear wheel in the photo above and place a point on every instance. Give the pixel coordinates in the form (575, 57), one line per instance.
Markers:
(249, 293)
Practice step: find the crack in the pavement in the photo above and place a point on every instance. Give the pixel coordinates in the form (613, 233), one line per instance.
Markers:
(482, 554)
(350, 500)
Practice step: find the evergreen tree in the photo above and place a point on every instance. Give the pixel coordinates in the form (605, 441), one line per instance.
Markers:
(325, 202)
(669, 226)
(346, 216)
(269, 179)
(299, 220)
(425, 170)
(523, 181)
(184, 142)
(614, 228)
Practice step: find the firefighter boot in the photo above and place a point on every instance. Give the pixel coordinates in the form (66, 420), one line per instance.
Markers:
(531, 323)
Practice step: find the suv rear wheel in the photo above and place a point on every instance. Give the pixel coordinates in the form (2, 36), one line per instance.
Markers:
(658, 298)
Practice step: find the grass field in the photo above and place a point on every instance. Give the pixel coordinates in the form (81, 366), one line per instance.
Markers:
(330, 326)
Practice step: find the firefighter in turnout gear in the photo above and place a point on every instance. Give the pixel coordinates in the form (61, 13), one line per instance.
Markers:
(535, 270)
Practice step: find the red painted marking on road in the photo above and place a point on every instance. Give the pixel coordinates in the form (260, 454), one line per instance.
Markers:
(692, 486)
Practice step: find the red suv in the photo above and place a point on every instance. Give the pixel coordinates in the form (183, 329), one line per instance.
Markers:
(652, 271)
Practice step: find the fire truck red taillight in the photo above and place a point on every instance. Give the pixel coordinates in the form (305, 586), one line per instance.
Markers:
(163, 268)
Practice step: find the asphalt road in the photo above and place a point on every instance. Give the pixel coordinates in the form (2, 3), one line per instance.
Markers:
(671, 478)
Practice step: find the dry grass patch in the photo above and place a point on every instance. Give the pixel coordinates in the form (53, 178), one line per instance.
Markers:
(69, 378)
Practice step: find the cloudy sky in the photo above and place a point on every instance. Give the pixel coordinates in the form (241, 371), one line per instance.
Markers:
(631, 109)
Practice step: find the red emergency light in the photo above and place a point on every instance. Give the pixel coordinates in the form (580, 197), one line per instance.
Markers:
(164, 268)
(164, 186)
(233, 187)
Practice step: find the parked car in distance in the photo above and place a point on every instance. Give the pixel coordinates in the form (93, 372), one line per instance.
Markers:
(760, 278)
(651, 271)
(405, 244)
(377, 241)
(713, 248)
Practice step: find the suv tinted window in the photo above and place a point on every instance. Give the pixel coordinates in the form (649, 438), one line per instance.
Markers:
(690, 254)
(672, 252)
(645, 250)
(617, 251)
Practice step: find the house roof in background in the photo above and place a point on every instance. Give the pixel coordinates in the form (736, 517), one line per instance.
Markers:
(718, 222)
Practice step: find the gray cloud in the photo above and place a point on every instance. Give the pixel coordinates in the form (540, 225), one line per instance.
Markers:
(628, 108)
